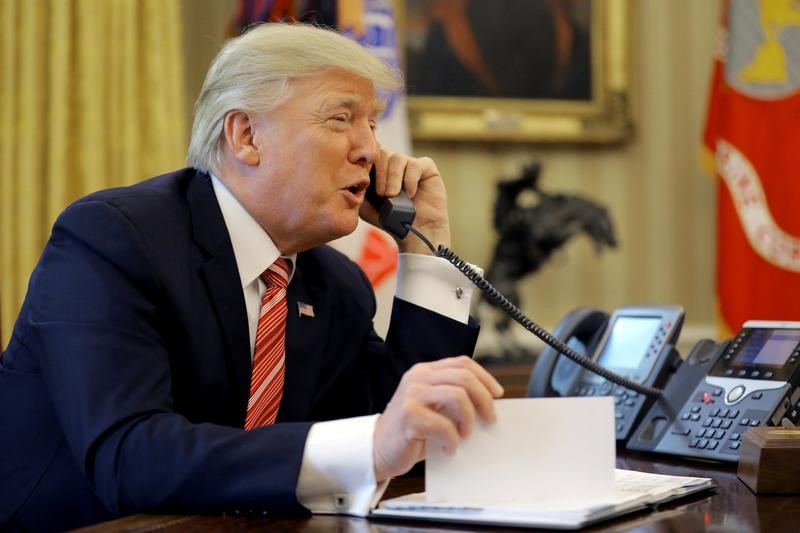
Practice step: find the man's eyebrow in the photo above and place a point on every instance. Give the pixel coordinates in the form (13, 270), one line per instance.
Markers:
(344, 101)
(354, 101)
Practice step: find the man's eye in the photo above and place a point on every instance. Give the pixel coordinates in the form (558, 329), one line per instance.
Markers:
(338, 122)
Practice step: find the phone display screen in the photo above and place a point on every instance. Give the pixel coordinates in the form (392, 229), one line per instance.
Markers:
(770, 347)
(630, 338)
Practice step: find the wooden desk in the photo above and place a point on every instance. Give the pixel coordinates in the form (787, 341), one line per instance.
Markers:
(733, 507)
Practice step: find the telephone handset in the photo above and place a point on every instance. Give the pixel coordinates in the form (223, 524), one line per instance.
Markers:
(394, 212)
(580, 329)
(724, 388)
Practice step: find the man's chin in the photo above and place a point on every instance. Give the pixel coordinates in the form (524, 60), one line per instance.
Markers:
(350, 228)
(344, 228)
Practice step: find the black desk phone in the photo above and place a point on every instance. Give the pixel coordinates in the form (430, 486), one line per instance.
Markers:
(635, 341)
(724, 388)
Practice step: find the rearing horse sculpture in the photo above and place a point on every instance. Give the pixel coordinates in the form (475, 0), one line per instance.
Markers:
(528, 235)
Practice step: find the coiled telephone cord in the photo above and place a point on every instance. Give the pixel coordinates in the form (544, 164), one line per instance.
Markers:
(496, 297)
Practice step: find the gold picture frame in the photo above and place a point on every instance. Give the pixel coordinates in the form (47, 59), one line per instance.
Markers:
(603, 115)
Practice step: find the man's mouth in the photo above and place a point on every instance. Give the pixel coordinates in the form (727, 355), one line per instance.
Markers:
(357, 191)
(358, 187)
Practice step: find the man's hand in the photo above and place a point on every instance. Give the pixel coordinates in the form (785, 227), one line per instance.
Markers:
(421, 180)
(439, 401)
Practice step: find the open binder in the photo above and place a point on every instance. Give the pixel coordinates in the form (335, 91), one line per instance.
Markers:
(633, 491)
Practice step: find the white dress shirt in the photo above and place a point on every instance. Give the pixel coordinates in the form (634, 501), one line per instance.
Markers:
(337, 474)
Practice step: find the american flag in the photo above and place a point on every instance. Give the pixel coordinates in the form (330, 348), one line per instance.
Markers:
(304, 309)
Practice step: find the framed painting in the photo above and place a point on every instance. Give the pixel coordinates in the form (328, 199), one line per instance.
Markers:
(517, 70)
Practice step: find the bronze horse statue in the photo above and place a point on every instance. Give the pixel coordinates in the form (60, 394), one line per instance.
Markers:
(528, 235)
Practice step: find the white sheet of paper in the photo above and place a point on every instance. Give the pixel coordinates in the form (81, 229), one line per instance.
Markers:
(537, 449)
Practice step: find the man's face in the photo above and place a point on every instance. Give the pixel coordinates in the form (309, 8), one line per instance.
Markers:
(315, 150)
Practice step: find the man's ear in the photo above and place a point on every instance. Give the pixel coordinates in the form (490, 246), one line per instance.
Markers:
(239, 136)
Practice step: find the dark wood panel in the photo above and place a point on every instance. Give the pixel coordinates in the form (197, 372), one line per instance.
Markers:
(513, 377)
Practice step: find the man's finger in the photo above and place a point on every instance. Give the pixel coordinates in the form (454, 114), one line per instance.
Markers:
(481, 373)
(453, 402)
(475, 391)
(397, 166)
(432, 425)
(381, 171)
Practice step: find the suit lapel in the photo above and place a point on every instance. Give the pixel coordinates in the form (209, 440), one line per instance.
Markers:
(306, 340)
(221, 276)
(306, 337)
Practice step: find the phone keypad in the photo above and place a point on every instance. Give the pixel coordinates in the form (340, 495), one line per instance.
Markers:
(706, 426)
(626, 403)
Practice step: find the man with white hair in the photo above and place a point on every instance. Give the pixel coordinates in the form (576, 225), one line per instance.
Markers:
(189, 343)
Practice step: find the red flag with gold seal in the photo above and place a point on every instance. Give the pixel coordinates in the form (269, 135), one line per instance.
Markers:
(752, 144)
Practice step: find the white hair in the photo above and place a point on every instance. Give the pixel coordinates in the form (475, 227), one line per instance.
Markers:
(252, 73)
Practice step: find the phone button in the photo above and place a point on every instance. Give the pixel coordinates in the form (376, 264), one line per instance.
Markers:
(735, 394)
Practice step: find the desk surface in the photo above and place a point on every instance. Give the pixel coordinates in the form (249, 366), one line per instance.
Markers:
(733, 507)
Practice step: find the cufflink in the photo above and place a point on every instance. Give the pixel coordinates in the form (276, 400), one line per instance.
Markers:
(341, 500)
(459, 293)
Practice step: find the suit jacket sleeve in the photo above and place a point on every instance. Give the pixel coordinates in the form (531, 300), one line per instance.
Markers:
(95, 317)
(355, 372)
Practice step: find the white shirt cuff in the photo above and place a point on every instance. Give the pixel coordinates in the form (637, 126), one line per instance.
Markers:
(435, 284)
(337, 475)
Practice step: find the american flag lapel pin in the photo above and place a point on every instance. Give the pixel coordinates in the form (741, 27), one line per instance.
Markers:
(304, 309)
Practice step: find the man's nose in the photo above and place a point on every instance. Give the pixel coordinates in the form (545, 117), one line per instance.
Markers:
(364, 145)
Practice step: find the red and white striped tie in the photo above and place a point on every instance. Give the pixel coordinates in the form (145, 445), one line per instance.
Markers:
(266, 384)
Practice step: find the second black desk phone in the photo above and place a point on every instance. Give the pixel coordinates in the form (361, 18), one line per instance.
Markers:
(724, 388)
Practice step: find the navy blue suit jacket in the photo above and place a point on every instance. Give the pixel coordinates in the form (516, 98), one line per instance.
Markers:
(124, 386)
